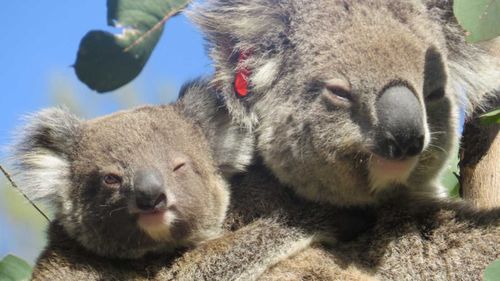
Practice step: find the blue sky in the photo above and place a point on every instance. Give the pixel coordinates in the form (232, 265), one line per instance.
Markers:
(39, 41)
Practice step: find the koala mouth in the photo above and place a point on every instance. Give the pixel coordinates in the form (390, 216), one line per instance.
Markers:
(152, 218)
(385, 172)
(156, 224)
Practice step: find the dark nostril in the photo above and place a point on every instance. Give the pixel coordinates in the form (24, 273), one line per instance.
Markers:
(389, 147)
(161, 201)
(394, 151)
(148, 203)
(416, 146)
(399, 147)
(143, 205)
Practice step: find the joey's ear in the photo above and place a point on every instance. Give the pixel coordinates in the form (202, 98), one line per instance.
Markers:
(41, 154)
(435, 74)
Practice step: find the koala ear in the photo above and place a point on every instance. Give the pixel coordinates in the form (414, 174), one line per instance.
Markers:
(232, 146)
(435, 74)
(256, 30)
(240, 23)
(41, 154)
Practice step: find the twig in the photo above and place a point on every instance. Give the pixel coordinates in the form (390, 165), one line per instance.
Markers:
(154, 28)
(9, 178)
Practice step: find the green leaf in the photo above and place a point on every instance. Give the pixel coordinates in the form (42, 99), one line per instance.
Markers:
(490, 118)
(481, 18)
(492, 272)
(107, 61)
(13, 268)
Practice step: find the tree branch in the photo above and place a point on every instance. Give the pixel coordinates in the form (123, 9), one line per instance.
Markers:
(9, 178)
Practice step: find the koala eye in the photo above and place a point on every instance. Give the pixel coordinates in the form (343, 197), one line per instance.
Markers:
(112, 180)
(436, 94)
(179, 166)
(338, 92)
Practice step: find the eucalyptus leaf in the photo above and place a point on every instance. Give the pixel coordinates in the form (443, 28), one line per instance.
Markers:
(13, 268)
(492, 272)
(490, 118)
(481, 18)
(107, 61)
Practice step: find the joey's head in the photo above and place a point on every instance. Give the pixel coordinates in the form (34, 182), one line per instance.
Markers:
(126, 184)
(348, 99)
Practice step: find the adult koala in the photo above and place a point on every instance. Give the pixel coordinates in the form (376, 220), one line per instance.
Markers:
(349, 100)
(408, 238)
(356, 103)
(97, 231)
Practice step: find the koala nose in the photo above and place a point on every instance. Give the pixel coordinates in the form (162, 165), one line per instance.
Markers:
(400, 132)
(149, 190)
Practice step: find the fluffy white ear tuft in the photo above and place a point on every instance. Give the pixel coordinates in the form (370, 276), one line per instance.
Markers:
(40, 154)
(44, 176)
(264, 76)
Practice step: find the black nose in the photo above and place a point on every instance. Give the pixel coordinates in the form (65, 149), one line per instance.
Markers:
(400, 131)
(149, 190)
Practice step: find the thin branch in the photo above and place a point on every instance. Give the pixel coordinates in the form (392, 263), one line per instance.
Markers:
(9, 178)
(152, 29)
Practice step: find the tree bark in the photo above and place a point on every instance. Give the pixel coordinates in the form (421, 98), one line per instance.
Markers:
(480, 164)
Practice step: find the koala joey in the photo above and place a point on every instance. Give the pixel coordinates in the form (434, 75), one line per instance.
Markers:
(133, 190)
(126, 184)
(349, 100)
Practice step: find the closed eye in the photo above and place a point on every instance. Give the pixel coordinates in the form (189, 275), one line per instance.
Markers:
(178, 166)
(112, 180)
(340, 92)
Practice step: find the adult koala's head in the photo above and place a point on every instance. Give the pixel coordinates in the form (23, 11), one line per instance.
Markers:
(126, 184)
(348, 99)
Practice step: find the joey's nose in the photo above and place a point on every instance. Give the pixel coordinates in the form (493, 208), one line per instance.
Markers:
(149, 190)
(400, 132)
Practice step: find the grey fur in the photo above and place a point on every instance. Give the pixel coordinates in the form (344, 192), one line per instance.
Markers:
(232, 146)
(63, 159)
(96, 234)
(409, 237)
(271, 227)
(324, 150)
(315, 149)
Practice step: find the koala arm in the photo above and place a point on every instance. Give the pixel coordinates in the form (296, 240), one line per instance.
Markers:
(272, 225)
(268, 224)
(416, 240)
(244, 254)
(241, 255)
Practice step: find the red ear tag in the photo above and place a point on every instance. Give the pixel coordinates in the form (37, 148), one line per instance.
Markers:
(241, 79)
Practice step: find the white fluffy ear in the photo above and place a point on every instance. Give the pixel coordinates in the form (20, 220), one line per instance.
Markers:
(40, 154)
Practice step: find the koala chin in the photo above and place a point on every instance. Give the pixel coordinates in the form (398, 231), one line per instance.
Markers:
(127, 184)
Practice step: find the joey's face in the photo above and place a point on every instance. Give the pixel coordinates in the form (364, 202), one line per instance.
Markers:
(140, 181)
(362, 105)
